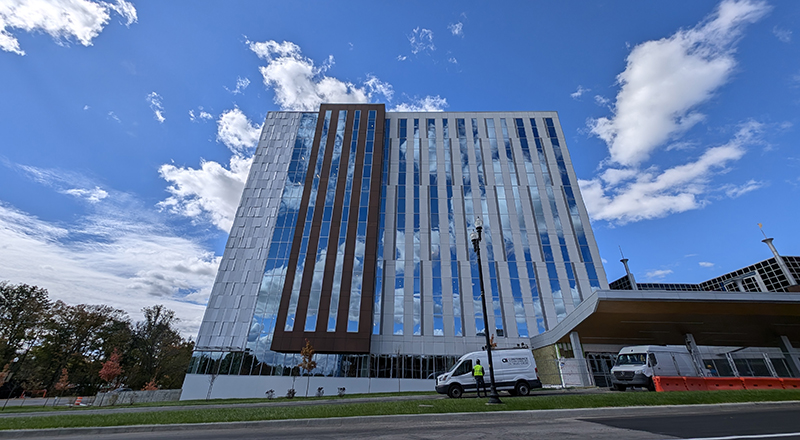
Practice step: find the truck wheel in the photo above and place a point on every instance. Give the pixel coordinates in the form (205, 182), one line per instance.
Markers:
(455, 391)
(522, 389)
(618, 387)
(651, 386)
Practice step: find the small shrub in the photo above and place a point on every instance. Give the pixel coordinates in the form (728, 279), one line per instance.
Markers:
(320, 392)
(290, 394)
(270, 394)
(341, 392)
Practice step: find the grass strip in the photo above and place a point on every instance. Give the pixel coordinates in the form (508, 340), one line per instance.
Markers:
(39, 408)
(343, 409)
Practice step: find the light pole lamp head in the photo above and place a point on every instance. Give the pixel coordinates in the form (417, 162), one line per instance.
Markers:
(473, 236)
(478, 222)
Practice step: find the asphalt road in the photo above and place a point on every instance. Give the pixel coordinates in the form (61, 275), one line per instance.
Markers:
(728, 421)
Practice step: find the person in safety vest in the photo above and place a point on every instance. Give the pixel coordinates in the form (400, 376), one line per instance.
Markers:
(477, 373)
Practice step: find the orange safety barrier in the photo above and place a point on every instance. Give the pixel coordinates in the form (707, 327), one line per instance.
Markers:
(696, 383)
(724, 383)
(762, 383)
(669, 383)
(790, 384)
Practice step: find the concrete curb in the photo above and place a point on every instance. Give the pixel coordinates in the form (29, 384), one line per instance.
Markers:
(550, 414)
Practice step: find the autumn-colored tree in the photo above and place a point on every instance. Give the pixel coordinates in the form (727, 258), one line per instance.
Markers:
(111, 368)
(63, 381)
(150, 386)
(308, 362)
(5, 373)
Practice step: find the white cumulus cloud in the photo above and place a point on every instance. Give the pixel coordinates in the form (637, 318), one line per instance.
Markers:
(64, 20)
(212, 192)
(665, 81)
(663, 84)
(300, 84)
(236, 131)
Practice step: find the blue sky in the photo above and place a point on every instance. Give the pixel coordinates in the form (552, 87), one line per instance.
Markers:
(128, 126)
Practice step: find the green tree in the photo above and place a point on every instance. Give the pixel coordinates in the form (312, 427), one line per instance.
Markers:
(78, 338)
(158, 350)
(23, 309)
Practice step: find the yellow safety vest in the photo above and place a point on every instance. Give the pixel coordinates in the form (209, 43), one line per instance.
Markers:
(477, 370)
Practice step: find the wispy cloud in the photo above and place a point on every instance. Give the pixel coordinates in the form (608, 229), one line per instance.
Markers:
(457, 29)
(114, 116)
(154, 99)
(79, 20)
(705, 264)
(734, 191)
(119, 253)
(90, 195)
(658, 274)
(241, 84)
(200, 115)
(627, 194)
(401, 58)
(426, 104)
(784, 35)
(577, 93)
(421, 40)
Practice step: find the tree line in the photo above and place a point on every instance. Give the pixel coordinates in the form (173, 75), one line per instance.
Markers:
(82, 349)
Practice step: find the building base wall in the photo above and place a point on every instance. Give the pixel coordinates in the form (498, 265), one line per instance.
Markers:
(197, 386)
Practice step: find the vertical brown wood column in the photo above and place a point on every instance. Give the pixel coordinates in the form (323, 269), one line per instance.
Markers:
(340, 340)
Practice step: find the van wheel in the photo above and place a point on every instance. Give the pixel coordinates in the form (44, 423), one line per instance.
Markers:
(455, 391)
(651, 386)
(618, 387)
(522, 389)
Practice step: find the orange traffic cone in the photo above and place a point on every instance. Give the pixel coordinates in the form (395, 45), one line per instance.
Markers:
(78, 401)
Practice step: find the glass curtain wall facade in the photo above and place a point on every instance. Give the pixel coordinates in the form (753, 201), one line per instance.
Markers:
(353, 234)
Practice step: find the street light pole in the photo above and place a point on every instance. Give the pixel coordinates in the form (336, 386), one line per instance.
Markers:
(476, 240)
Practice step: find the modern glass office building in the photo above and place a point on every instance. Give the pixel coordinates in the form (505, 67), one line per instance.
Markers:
(353, 234)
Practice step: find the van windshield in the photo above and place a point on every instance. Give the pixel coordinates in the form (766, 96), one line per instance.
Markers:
(631, 359)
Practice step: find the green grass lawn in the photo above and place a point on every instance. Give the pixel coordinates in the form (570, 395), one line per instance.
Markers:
(39, 408)
(341, 408)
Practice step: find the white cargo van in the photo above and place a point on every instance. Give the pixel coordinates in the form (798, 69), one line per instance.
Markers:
(635, 366)
(514, 371)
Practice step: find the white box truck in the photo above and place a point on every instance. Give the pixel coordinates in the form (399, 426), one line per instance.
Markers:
(514, 371)
(635, 366)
